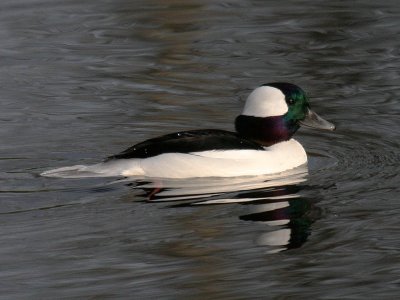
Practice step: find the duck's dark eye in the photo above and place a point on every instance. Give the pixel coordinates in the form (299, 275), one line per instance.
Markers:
(291, 101)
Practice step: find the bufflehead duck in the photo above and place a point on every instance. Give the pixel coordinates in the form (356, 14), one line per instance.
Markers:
(262, 143)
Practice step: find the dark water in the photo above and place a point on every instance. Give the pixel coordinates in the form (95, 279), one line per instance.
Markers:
(81, 80)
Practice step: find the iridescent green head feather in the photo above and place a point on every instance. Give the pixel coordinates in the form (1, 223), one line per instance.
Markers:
(296, 100)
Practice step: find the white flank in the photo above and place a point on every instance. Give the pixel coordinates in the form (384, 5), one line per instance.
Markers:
(265, 101)
(105, 169)
(231, 163)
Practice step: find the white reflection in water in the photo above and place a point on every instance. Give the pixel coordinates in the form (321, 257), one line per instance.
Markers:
(272, 201)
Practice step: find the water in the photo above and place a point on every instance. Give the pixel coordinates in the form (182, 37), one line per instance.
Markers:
(81, 80)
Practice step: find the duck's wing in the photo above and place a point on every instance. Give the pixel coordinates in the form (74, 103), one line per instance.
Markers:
(188, 142)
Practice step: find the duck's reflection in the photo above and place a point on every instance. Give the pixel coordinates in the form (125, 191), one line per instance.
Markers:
(271, 201)
(289, 221)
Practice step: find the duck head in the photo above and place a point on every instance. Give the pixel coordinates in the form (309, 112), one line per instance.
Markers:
(273, 112)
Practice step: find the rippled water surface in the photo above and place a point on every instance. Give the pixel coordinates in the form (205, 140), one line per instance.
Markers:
(81, 80)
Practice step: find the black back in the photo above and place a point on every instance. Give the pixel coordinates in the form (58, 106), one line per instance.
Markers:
(187, 142)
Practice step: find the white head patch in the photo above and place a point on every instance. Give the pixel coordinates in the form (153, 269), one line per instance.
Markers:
(265, 101)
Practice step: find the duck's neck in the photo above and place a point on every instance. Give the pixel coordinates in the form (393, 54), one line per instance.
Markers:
(265, 131)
